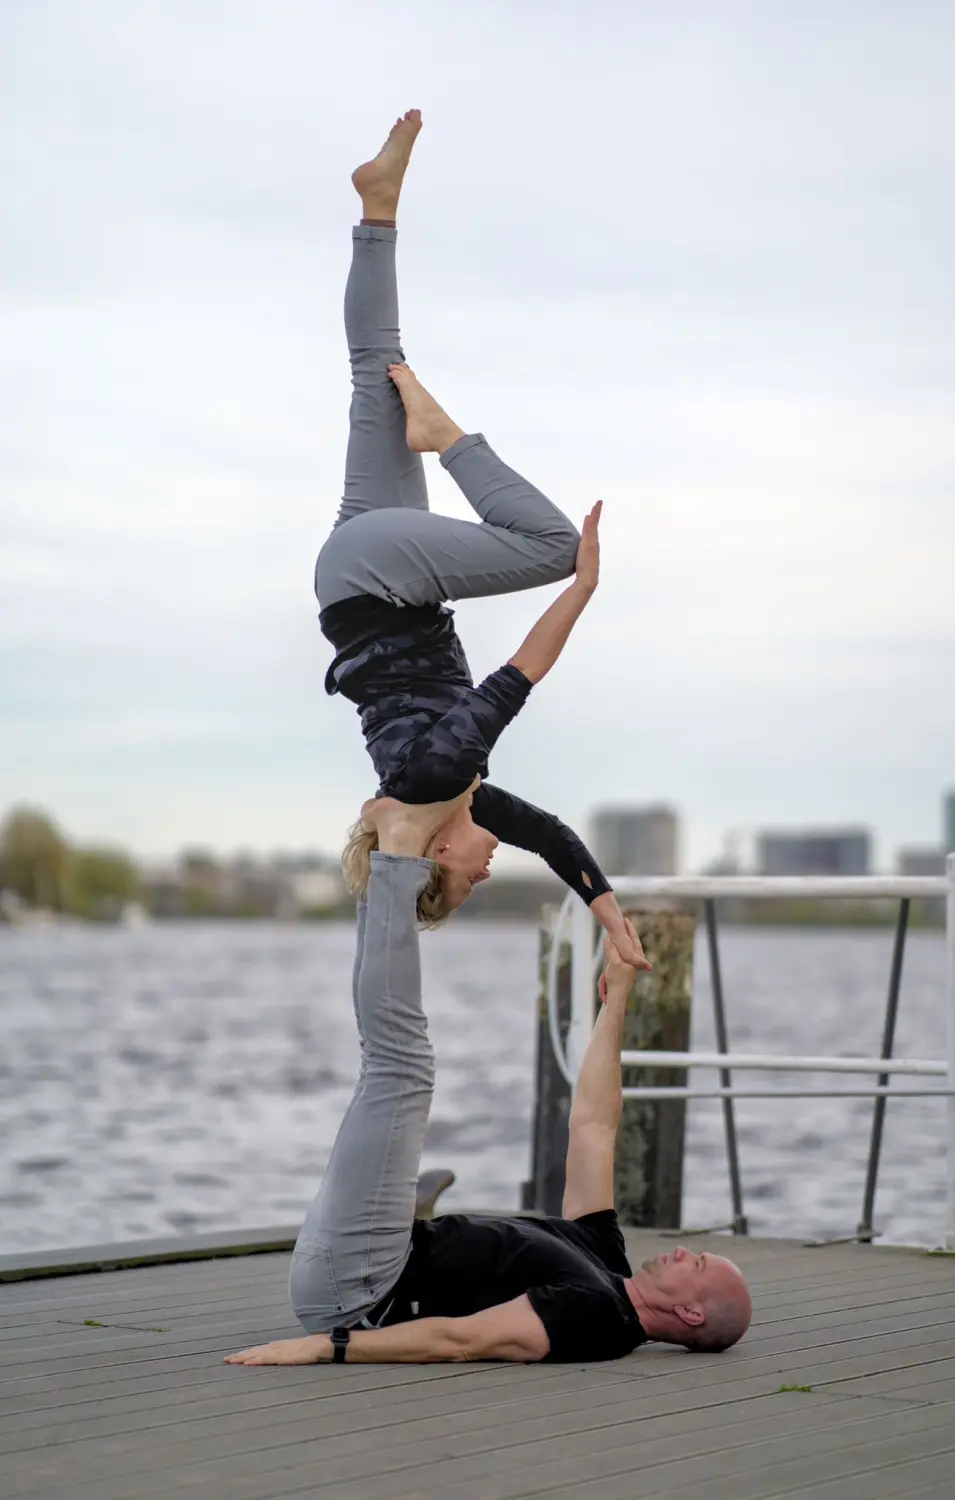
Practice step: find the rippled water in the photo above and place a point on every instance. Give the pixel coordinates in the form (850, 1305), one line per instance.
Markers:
(190, 1078)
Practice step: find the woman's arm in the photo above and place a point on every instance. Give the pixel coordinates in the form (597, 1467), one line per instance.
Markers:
(547, 639)
(445, 759)
(524, 826)
(621, 933)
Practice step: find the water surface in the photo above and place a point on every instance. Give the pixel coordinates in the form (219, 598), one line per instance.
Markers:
(190, 1077)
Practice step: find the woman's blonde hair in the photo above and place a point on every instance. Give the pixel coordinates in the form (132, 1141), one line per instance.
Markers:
(433, 907)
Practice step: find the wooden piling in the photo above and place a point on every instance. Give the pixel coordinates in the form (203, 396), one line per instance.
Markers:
(544, 1192)
(648, 1172)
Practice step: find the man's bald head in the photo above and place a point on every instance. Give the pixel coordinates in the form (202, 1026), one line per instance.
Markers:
(692, 1298)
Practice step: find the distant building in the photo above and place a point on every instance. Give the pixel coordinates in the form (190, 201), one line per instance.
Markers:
(836, 851)
(283, 886)
(949, 822)
(287, 885)
(316, 889)
(921, 862)
(636, 840)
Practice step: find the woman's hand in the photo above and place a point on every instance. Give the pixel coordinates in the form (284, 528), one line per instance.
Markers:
(620, 972)
(617, 974)
(620, 930)
(588, 551)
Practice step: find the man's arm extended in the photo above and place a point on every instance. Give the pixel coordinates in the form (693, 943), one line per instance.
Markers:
(598, 1100)
(510, 1331)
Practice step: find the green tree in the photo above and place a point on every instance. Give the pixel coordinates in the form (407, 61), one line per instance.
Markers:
(102, 882)
(34, 859)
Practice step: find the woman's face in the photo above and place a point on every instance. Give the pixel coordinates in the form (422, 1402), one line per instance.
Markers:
(464, 852)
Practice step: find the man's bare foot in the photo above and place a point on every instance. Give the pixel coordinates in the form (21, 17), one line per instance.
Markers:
(408, 828)
(378, 182)
(430, 429)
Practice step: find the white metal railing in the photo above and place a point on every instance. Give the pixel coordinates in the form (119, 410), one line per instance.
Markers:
(586, 959)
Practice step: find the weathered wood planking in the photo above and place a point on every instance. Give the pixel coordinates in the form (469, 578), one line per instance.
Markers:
(143, 1407)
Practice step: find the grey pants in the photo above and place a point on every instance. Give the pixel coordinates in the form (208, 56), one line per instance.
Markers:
(356, 1236)
(385, 541)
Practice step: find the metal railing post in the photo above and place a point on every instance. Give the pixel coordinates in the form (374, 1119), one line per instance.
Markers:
(582, 988)
(740, 1225)
(950, 1019)
(580, 992)
(864, 1231)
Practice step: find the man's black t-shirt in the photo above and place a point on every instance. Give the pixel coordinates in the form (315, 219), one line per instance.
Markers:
(572, 1271)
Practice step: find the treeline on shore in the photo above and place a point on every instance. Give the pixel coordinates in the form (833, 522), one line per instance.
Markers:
(41, 870)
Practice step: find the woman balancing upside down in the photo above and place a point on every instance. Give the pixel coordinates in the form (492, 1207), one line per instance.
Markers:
(385, 575)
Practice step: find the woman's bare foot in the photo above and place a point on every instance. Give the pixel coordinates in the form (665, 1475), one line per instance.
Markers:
(408, 828)
(378, 182)
(430, 429)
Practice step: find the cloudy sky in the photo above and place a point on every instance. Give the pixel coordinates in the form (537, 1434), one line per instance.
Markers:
(694, 258)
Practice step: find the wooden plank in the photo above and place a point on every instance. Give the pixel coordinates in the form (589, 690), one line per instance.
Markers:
(742, 1472)
(180, 1372)
(923, 1378)
(103, 1336)
(907, 1479)
(382, 1397)
(833, 1476)
(765, 1326)
(266, 1403)
(855, 1322)
(114, 1412)
(333, 1418)
(489, 1470)
(260, 1430)
(669, 1370)
(44, 1264)
(246, 1268)
(130, 1287)
(553, 1388)
(326, 1383)
(67, 1429)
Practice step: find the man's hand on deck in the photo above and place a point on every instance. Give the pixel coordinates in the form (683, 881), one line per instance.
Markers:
(307, 1351)
(510, 1331)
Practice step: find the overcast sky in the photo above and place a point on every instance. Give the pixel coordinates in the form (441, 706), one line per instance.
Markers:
(694, 259)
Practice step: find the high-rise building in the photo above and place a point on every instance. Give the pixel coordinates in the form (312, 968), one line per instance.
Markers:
(636, 840)
(949, 822)
(835, 851)
(920, 862)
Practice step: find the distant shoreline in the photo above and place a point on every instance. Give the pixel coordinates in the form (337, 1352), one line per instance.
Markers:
(731, 913)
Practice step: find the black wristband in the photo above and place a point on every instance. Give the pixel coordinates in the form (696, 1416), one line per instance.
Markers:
(340, 1337)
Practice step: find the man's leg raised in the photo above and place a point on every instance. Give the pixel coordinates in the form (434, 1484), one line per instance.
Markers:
(356, 1236)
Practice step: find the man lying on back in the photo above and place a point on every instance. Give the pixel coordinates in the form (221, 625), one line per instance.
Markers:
(372, 1285)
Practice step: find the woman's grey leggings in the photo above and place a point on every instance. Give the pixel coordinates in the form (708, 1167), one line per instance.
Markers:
(357, 1234)
(386, 542)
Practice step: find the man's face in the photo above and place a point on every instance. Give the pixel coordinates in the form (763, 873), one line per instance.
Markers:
(685, 1278)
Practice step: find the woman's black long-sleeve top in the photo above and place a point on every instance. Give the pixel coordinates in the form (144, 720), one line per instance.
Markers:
(429, 730)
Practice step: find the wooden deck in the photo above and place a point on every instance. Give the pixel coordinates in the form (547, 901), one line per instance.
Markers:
(143, 1407)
